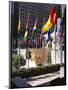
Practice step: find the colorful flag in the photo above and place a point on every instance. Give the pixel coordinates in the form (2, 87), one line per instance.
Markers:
(25, 36)
(19, 24)
(43, 21)
(63, 10)
(53, 15)
(35, 25)
(52, 20)
(62, 21)
(58, 11)
(27, 28)
(47, 25)
(49, 35)
(58, 23)
(60, 33)
(27, 24)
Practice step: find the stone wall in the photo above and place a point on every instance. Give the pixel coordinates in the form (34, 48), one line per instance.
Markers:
(39, 55)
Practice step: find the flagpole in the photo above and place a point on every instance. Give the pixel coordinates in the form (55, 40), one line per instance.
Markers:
(35, 36)
(63, 7)
(61, 50)
(36, 40)
(27, 26)
(28, 52)
(19, 39)
(19, 52)
(55, 42)
(43, 39)
(43, 46)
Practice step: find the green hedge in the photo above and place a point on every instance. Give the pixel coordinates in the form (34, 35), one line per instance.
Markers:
(24, 73)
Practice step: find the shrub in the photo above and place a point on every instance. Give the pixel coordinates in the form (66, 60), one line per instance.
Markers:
(22, 61)
(16, 60)
(24, 73)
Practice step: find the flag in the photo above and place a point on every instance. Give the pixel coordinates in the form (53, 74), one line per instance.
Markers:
(35, 25)
(25, 36)
(53, 15)
(19, 24)
(60, 33)
(49, 35)
(58, 23)
(62, 21)
(35, 29)
(27, 28)
(58, 11)
(63, 10)
(47, 25)
(52, 20)
(27, 23)
(43, 21)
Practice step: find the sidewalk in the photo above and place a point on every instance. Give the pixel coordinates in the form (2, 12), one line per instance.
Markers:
(43, 79)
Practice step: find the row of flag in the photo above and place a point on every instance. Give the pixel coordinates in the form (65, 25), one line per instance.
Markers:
(52, 20)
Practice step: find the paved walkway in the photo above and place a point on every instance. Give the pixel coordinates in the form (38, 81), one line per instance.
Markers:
(38, 80)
